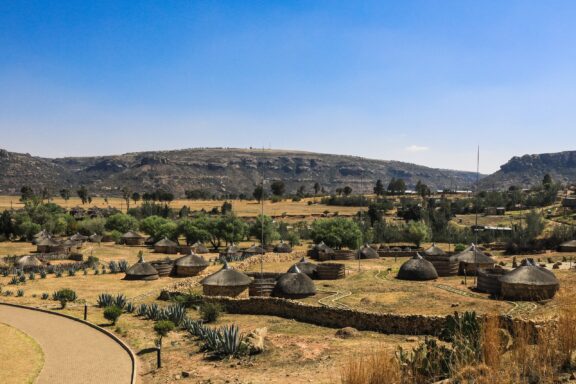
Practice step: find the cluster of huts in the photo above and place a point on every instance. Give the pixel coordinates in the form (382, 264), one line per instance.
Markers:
(529, 281)
(46, 243)
(185, 266)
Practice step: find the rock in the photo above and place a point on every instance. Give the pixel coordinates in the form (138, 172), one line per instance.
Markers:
(366, 301)
(347, 332)
(185, 374)
(255, 340)
(454, 305)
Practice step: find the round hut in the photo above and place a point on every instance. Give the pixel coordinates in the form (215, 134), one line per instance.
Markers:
(434, 251)
(163, 267)
(199, 248)
(489, 280)
(283, 248)
(190, 265)
(166, 246)
(529, 282)
(226, 282)
(417, 268)
(132, 238)
(43, 234)
(95, 238)
(322, 252)
(294, 285)
(231, 253)
(70, 246)
(367, 252)
(306, 267)
(28, 263)
(568, 246)
(141, 271)
(472, 259)
(48, 245)
(78, 237)
(445, 265)
(253, 251)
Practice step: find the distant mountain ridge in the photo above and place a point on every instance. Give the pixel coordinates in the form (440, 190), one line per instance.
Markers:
(529, 170)
(218, 170)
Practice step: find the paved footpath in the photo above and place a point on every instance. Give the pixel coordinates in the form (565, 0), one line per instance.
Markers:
(74, 353)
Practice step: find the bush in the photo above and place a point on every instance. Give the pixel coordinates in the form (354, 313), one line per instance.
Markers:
(459, 247)
(210, 312)
(42, 274)
(163, 328)
(45, 296)
(112, 314)
(20, 293)
(64, 296)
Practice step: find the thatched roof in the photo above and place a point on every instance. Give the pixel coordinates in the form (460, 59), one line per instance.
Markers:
(28, 261)
(322, 247)
(70, 243)
(48, 241)
(434, 251)
(530, 274)
(472, 255)
(191, 260)
(232, 249)
(304, 266)
(132, 235)
(283, 248)
(227, 277)
(255, 249)
(166, 242)
(96, 238)
(295, 283)
(570, 243)
(198, 247)
(367, 252)
(42, 233)
(141, 269)
(78, 237)
(417, 268)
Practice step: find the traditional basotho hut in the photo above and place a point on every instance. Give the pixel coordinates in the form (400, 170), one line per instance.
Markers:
(445, 265)
(417, 268)
(283, 248)
(48, 245)
(367, 252)
(489, 280)
(166, 246)
(190, 265)
(472, 259)
(132, 238)
(434, 250)
(43, 234)
(231, 253)
(529, 282)
(95, 238)
(199, 248)
(568, 246)
(71, 245)
(253, 251)
(321, 251)
(226, 282)
(28, 263)
(163, 267)
(294, 285)
(78, 237)
(141, 271)
(306, 267)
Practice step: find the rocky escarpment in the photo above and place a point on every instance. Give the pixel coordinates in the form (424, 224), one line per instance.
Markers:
(218, 170)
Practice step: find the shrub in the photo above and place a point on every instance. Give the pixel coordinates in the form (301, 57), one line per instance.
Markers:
(7, 293)
(22, 279)
(31, 276)
(14, 280)
(42, 274)
(45, 296)
(163, 328)
(112, 314)
(210, 312)
(20, 293)
(459, 247)
(64, 296)
(92, 261)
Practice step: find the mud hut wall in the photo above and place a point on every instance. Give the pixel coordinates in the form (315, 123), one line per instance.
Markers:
(238, 291)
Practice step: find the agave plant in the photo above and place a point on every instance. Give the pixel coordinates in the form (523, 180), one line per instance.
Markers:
(129, 308)
(175, 313)
(142, 310)
(45, 296)
(14, 280)
(113, 266)
(71, 271)
(230, 340)
(20, 293)
(123, 266)
(5, 272)
(58, 273)
(42, 274)
(120, 301)
(153, 312)
(105, 300)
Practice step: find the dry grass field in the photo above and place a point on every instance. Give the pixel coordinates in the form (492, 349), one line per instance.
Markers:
(22, 354)
(242, 208)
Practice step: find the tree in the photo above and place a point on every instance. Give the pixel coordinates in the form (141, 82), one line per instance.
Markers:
(339, 191)
(422, 189)
(379, 188)
(163, 328)
(258, 193)
(135, 197)
(227, 228)
(159, 227)
(277, 187)
(122, 223)
(65, 194)
(26, 193)
(301, 191)
(397, 186)
(193, 230)
(126, 195)
(83, 194)
(547, 181)
(6, 225)
(316, 188)
(112, 314)
(45, 194)
(347, 191)
(270, 230)
(337, 233)
(417, 232)
(226, 208)
(64, 296)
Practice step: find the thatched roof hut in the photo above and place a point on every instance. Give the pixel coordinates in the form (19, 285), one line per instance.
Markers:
(321, 251)
(283, 248)
(529, 282)
(166, 246)
(434, 250)
(43, 234)
(78, 237)
(254, 250)
(568, 246)
(190, 265)
(71, 245)
(28, 262)
(294, 285)
(48, 245)
(132, 238)
(472, 259)
(367, 252)
(231, 252)
(306, 267)
(141, 271)
(417, 268)
(199, 248)
(226, 282)
(95, 238)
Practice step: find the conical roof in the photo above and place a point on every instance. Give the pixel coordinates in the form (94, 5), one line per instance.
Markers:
(132, 235)
(255, 249)
(141, 269)
(434, 251)
(69, 243)
(295, 283)
(367, 252)
(472, 255)
(48, 241)
(530, 274)
(42, 233)
(96, 238)
(232, 249)
(166, 242)
(198, 247)
(283, 248)
(570, 243)
(227, 277)
(417, 268)
(304, 266)
(191, 260)
(78, 237)
(28, 261)
(323, 247)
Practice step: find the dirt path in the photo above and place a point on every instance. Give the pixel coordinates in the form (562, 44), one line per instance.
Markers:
(73, 352)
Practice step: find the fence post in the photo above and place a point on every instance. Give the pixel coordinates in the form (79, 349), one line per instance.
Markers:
(85, 312)
(158, 357)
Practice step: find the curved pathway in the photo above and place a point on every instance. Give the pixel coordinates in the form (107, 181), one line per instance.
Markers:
(73, 352)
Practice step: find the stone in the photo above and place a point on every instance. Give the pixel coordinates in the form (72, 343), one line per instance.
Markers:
(185, 374)
(347, 332)
(255, 340)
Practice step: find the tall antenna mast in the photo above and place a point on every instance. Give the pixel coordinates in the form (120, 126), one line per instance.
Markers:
(262, 231)
(476, 219)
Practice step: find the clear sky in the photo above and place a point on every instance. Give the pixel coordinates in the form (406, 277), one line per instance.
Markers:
(417, 81)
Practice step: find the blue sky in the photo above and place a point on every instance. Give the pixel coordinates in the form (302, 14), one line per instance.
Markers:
(417, 81)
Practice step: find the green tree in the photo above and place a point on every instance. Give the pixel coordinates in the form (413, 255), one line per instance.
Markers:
(547, 181)
(227, 228)
(6, 225)
(347, 190)
(126, 195)
(65, 194)
(258, 193)
(159, 227)
(277, 187)
(316, 188)
(83, 195)
(417, 232)
(163, 328)
(379, 188)
(337, 233)
(135, 197)
(26, 193)
(422, 189)
(122, 223)
(194, 230)
(112, 314)
(270, 230)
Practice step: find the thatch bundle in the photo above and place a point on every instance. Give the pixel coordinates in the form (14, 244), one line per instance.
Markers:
(28, 262)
